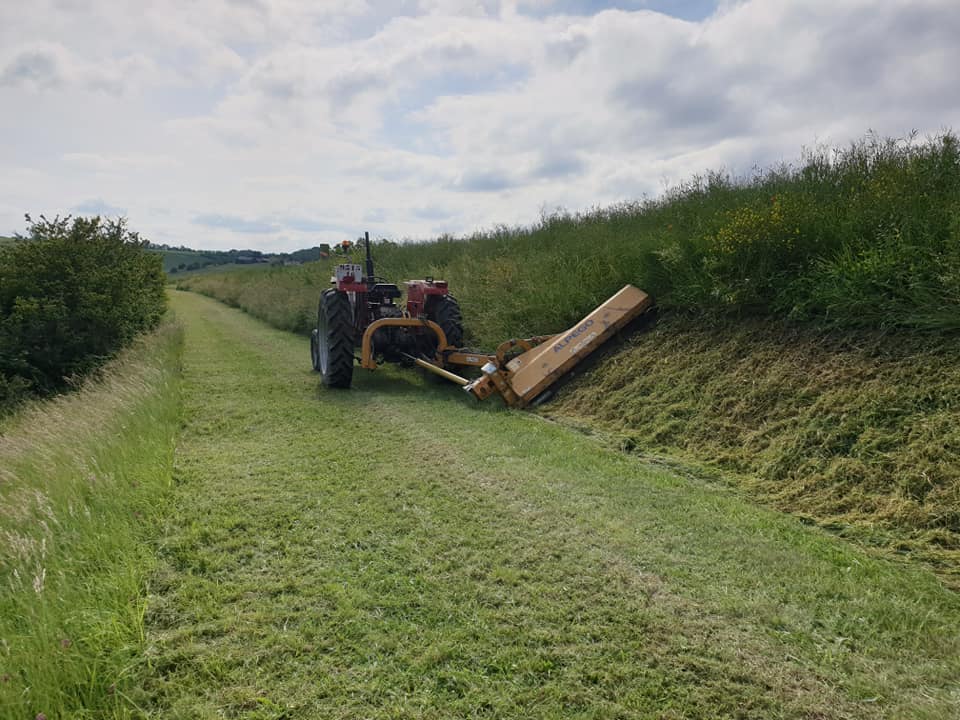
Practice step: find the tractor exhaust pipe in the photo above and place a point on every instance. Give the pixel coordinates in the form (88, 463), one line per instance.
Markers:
(366, 237)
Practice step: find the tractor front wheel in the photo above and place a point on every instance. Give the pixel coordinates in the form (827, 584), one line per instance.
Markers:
(334, 339)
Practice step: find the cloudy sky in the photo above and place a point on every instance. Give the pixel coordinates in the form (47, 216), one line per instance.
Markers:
(278, 125)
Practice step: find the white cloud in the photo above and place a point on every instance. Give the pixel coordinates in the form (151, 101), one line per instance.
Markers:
(230, 123)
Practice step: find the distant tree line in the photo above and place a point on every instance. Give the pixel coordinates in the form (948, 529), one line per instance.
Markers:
(73, 291)
(184, 259)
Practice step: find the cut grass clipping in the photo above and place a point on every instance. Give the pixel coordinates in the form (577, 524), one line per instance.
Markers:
(82, 479)
(396, 551)
(859, 430)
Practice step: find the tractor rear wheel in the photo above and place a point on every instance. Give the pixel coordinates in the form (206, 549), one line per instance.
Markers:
(445, 312)
(334, 339)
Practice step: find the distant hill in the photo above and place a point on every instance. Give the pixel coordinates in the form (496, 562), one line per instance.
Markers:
(174, 259)
(183, 259)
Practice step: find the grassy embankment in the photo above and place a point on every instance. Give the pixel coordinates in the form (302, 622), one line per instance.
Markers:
(393, 552)
(859, 431)
(809, 343)
(82, 481)
(867, 237)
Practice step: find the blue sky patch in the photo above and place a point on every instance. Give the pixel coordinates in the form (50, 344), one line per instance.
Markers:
(693, 10)
(98, 207)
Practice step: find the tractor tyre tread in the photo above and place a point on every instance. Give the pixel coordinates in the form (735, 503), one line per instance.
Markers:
(314, 350)
(335, 307)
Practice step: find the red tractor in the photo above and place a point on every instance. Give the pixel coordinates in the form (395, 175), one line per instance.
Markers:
(360, 310)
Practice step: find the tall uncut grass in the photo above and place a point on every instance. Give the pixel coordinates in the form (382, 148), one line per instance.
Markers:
(81, 480)
(867, 235)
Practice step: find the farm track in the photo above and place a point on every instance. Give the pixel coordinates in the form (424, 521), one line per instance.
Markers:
(396, 551)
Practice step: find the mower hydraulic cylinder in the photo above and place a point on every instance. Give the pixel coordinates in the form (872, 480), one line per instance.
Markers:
(452, 377)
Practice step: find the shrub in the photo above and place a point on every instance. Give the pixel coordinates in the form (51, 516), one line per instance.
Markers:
(73, 292)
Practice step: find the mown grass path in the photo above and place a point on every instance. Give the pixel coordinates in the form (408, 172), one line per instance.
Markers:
(397, 551)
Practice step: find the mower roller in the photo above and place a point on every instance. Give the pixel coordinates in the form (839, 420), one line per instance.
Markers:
(359, 310)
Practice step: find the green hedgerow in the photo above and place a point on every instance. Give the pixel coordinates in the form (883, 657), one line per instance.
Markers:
(73, 292)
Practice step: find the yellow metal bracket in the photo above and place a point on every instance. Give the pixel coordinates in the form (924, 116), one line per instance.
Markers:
(366, 348)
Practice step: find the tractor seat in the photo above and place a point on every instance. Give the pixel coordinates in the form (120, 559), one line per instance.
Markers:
(386, 290)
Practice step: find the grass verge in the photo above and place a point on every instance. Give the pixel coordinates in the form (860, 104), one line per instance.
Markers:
(396, 551)
(82, 479)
